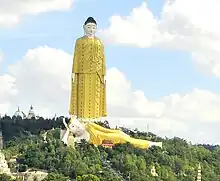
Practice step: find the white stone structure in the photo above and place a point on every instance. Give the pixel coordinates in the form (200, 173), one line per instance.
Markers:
(153, 172)
(4, 165)
(19, 113)
(31, 113)
(199, 174)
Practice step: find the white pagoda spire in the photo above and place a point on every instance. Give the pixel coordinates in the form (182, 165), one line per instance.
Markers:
(199, 175)
(19, 113)
(31, 113)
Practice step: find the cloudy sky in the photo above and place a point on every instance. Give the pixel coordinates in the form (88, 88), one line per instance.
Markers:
(163, 60)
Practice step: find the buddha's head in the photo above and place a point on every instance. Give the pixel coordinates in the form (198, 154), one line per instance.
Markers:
(90, 27)
(76, 127)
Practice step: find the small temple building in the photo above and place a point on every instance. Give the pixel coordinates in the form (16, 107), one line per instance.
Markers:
(19, 113)
(31, 114)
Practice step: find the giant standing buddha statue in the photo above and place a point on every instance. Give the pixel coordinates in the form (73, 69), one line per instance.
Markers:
(88, 93)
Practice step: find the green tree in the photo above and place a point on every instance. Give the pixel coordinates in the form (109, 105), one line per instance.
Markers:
(55, 177)
(87, 177)
(5, 177)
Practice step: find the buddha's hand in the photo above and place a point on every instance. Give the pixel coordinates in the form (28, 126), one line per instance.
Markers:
(72, 77)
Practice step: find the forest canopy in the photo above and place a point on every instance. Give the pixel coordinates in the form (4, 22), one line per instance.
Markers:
(178, 160)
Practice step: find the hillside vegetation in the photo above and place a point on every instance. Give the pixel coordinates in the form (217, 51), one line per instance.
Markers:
(177, 161)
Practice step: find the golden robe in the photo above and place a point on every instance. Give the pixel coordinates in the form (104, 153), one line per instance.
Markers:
(88, 94)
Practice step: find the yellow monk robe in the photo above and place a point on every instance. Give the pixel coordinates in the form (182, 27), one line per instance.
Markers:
(88, 94)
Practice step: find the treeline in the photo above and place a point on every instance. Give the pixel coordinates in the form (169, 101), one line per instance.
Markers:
(16, 126)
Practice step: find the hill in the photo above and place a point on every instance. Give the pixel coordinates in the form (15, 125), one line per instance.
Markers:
(177, 161)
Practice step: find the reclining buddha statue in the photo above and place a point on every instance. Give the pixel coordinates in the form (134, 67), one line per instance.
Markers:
(96, 134)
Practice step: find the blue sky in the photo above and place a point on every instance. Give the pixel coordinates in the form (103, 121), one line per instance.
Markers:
(164, 71)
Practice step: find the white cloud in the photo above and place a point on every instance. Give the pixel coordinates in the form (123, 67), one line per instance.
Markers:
(186, 25)
(11, 11)
(7, 92)
(138, 28)
(42, 78)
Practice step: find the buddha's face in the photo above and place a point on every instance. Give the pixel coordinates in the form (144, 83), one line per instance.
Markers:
(77, 128)
(90, 29)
